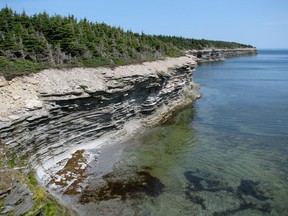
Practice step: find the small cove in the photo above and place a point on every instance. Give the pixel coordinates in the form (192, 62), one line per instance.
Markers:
(225, 155)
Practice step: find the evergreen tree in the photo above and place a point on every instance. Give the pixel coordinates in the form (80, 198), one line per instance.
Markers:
(48, 41)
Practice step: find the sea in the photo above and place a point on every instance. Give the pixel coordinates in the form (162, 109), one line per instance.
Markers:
(226, 154)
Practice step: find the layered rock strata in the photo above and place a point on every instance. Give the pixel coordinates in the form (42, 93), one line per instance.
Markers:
(48, 116)
(43, 115)
(210, 55)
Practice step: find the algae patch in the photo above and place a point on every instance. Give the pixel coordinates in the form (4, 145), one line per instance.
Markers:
(123, 185)
(69, 178)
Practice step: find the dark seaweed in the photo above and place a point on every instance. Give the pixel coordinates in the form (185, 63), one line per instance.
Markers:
(196, 185)
(126, 188)
(211, 185)
(198, 182)
(249, 188)
(195, 199)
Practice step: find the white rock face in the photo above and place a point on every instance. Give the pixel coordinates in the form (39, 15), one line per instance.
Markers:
(33, 104)
(3, 81)
(26, 93)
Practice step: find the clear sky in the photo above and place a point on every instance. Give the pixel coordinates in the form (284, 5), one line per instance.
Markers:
(261, 23)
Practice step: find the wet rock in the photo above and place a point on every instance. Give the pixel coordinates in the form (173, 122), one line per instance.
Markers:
(68, 180)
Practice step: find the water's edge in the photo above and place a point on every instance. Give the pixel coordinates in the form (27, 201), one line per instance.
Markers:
(76, 116)
(225, 155)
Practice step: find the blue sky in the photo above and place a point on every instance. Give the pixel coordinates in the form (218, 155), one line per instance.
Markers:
(261, 23)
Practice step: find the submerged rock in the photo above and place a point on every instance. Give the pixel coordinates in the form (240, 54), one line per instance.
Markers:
(248, 198)
(128, 185)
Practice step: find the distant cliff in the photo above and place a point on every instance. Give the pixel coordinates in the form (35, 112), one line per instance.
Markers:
(210, 55)
(48, 116)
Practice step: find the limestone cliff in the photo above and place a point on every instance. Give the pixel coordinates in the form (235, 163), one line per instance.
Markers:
(210, 55)
(47, 113)
(47, 116)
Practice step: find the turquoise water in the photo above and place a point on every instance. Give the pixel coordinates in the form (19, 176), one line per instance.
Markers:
(225, 155)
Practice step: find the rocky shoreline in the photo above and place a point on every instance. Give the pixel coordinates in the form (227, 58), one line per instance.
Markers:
(53, 121)
(212, 55)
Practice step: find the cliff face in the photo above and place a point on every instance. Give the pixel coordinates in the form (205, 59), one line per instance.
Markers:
(61, 112)
(54, 113)
(211, 55)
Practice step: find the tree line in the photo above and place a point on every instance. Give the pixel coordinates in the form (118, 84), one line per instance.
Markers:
(31, 43)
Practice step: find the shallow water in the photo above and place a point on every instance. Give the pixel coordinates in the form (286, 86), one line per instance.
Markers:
(225, 155)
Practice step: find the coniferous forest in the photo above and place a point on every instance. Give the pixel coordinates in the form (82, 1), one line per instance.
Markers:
(31, 43)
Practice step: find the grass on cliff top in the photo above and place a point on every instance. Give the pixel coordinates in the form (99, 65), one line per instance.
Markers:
(11, 68)
(16, 67)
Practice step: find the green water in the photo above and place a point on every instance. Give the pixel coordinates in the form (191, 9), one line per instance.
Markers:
(225, 155)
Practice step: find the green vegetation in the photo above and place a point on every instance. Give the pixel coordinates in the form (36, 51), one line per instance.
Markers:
(44, 204)
(188, 44)
(32, 179)
(31, 43)
(12, 160)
